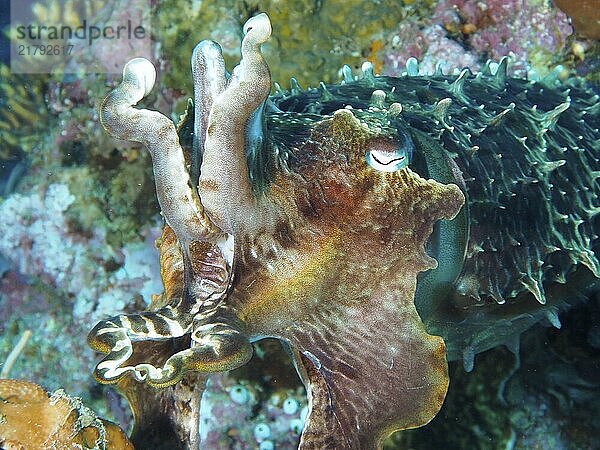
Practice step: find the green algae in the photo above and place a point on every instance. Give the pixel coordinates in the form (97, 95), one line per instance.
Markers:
(120, 201)
(23, 114)
(311, 40)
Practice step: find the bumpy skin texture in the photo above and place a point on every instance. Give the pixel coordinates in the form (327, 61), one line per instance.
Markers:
(304, 233)
(339, 287)
(526, 155)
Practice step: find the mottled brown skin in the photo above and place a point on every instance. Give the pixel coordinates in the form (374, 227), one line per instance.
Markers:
(349, 226)
(163, 418)
(334, 276)
(340, 288)
(336, 279)
(584, 14)
(171, 267)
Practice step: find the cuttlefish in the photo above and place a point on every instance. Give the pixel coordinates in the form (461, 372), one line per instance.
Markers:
(307, 228)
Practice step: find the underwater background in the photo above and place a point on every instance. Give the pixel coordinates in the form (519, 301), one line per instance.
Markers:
(80, 213)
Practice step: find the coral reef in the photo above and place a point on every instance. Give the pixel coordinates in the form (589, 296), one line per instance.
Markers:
(315, 38)
(249, 205)
(69, 53)
(33, 419)
(461, 33)
(265, 393)
(239, 416)
(465, 33)
(57, 278)
(48, 124)
(49, 136)
(39, 241)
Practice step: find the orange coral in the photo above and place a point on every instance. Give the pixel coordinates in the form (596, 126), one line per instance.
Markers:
(373, 55)
(30, 418)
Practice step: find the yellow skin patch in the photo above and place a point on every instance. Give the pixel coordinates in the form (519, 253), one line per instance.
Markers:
(297, 277)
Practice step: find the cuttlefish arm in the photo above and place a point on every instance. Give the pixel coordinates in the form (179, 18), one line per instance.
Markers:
(204, 229)
(224, 185)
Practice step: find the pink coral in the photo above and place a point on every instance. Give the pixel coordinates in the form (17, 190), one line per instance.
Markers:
(520, 28)
(465, 33)
(429, 45)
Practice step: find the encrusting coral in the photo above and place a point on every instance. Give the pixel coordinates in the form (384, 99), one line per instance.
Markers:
(32, 419)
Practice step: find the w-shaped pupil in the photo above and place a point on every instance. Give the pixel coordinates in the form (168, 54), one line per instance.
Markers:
(386, 155)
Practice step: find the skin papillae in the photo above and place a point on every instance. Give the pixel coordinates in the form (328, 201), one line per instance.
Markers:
(324, 257)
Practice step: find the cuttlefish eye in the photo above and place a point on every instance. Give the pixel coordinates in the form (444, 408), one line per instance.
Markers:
(389, 155)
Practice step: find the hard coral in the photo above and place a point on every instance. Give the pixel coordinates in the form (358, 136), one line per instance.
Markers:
(464, 33)
(526, 29)
(30, 418)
